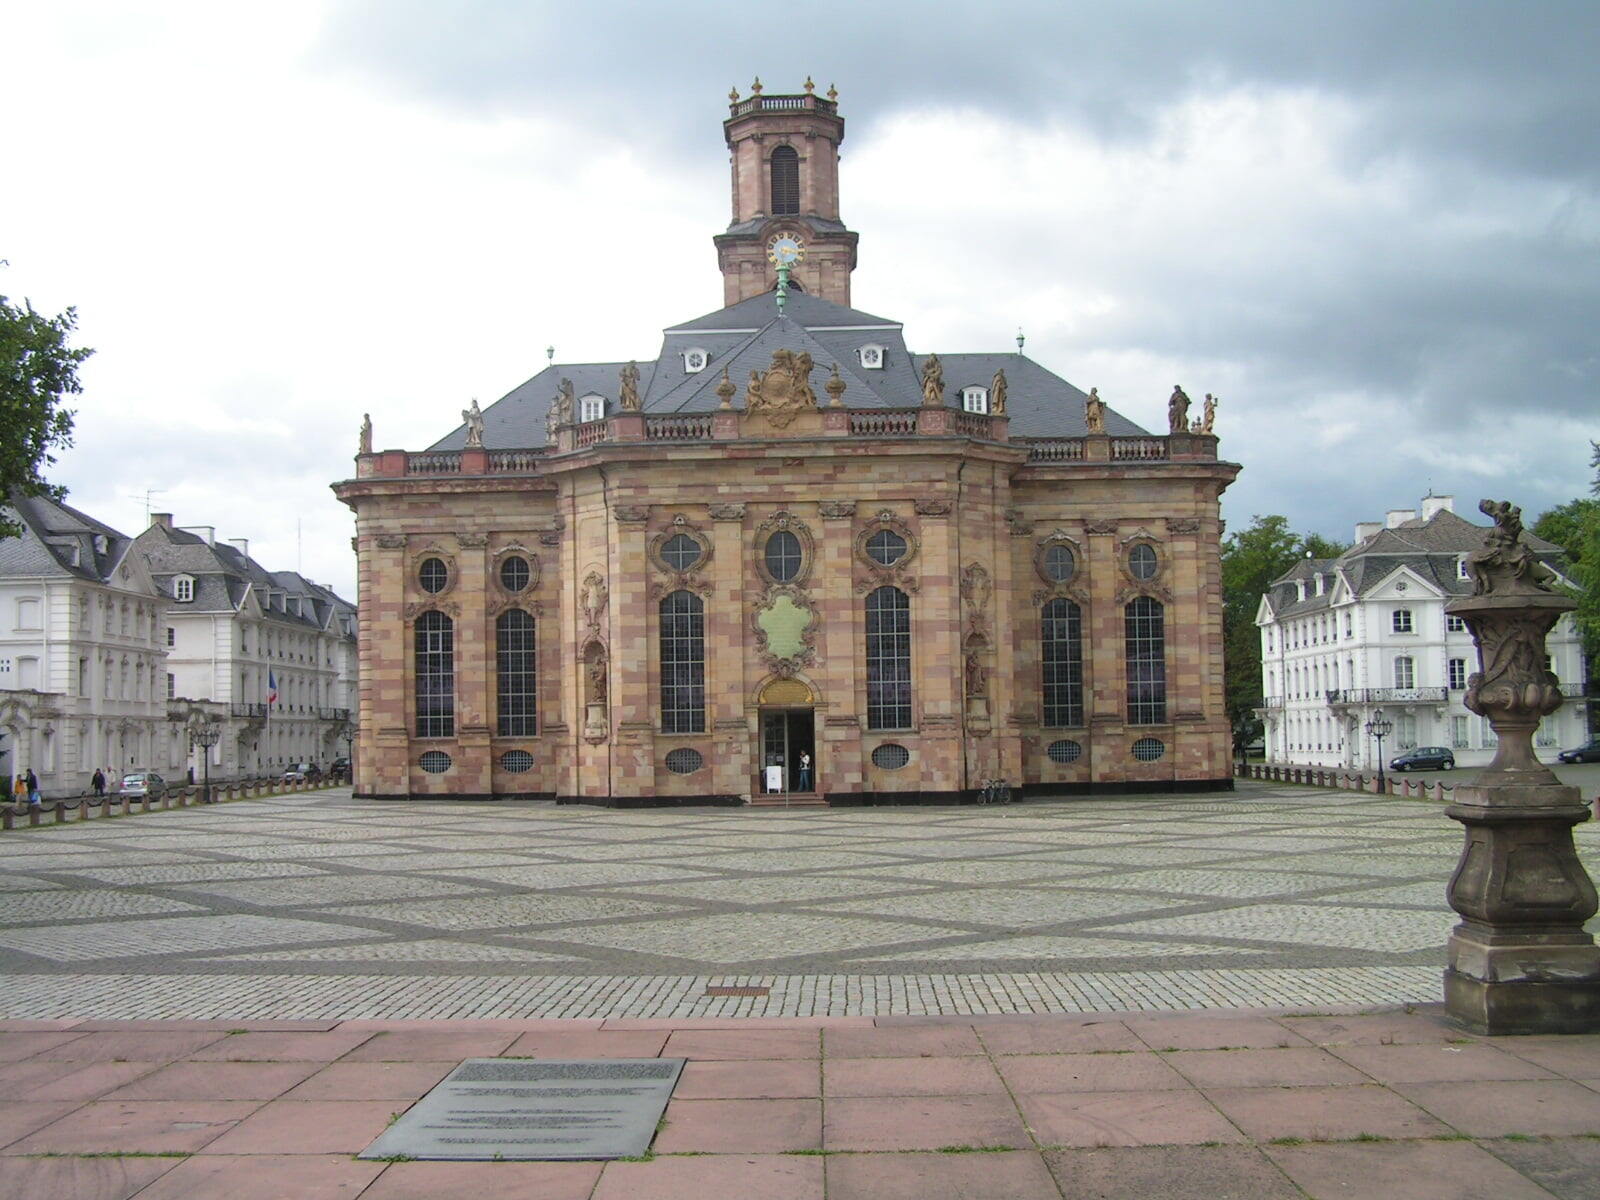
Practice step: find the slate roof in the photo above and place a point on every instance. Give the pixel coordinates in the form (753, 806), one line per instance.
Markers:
(224, 577)
(1429, 548)
(742, 337)
(58, 540)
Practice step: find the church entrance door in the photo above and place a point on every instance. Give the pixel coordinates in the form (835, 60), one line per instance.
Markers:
(788, 736)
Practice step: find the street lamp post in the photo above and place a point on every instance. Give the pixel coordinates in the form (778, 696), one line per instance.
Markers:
(1380, 727)
(207, 736)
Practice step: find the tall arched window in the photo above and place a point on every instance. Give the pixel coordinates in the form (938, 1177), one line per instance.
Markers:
(1061, 663)
(1145, 642)
(785, 181)
(888, 659)
(516, 679)
(683, 663)
(436, 675)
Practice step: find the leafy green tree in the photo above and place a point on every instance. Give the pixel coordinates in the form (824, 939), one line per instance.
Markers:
(1575, 527)
(38, 369)
(1251, 560)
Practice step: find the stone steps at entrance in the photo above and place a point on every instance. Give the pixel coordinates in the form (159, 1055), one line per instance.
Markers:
(788, 800)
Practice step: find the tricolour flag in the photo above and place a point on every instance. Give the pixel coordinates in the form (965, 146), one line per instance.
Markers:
(272, 687)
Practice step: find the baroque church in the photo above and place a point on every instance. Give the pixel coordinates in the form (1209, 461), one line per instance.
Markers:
(790, 559)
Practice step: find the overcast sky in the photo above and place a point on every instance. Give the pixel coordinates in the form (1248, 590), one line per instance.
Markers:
(1370, 228)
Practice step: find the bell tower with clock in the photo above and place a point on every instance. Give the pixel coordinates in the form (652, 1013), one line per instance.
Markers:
(784, 152)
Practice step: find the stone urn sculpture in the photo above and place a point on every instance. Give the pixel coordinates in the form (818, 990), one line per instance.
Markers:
(1519, 961)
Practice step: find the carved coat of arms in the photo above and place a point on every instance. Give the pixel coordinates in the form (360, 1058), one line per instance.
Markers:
(783, 390)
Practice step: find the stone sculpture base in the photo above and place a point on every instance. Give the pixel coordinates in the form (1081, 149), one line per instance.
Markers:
(1520, 961)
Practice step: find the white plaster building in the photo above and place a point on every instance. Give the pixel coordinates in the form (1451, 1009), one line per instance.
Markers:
(237, 634)
(82, 644)
(1342, 638)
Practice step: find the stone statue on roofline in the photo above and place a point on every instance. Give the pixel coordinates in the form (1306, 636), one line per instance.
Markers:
(1505, 564)
(365, 445)
(1208, 418)
(560, 410)
(1178, 411)
(473, 418)
(629, 396)
(1094, 411)
(933, 382)
(997, 393)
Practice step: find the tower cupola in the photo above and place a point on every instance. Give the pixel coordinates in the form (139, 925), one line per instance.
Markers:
(784, 155)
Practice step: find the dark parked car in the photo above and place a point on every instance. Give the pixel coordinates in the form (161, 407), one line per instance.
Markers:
(339, 772)
(1424, 758)
(1585, 753)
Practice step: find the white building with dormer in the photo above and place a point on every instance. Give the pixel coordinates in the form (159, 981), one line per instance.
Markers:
(1343, 638)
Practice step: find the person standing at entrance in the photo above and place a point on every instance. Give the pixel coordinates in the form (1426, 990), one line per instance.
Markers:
(99, 782)
(33, 788)
(804, 783)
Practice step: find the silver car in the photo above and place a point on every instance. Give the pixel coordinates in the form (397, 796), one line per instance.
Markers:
(143, 783)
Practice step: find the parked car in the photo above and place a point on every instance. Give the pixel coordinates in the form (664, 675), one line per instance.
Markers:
(143, 783)
(1424, 758)
(339, 771)
(303, 773)
(1586, 753)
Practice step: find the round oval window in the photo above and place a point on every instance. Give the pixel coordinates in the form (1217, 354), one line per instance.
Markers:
(890, 756)
(1064, 751)
(434, 762)
(684, 761)
(680, 552)
(886, 547)
(516, 761)
(515, 574)
(783, 556)
(433, 575)
(1059, 564)
(1149, 749)
(1142, 562)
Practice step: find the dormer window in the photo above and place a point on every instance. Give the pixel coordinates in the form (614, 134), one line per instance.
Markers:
(1461, 569)
(183, 589)
(695, 360)
(591, 408)
(871, 357)
(975, 399)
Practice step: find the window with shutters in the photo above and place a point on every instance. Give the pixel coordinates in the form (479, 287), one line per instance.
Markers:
(785, 181)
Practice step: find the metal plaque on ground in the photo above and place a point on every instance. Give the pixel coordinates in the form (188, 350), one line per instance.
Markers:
(536, 1109)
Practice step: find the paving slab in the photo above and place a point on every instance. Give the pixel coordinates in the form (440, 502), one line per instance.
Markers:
(923, 1123)
(1143, 1118)
(929, 1076)
(265, 1177)
(1170, 1173)
(80, 1178)
(1114, 1071)
(485, 1181)
(1565, 1167)
(257, 1045)
(307, 1127)
(133, 1127)
(1293, 1067)
(396, 1081)
(1440, 1063)
(902, 1041)
(215, 1081)
(993, 1175)
(1406, 1170)
(734, 1126)
(750, 1079)
(1556, 1107)
(770, 1177)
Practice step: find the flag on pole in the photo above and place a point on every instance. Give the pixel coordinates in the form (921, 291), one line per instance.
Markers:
(272, 688)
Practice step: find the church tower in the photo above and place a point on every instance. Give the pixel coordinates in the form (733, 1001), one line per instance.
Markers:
(784, 152)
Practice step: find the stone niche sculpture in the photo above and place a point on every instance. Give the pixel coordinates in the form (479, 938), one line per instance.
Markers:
(1519, 962)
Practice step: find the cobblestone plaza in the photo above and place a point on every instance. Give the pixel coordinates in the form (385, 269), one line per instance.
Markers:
(320, 905)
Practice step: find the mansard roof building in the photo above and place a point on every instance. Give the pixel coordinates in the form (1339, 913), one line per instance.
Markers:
(790, 552)
(1343, 639)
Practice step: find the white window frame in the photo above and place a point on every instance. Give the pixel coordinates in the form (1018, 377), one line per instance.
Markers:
(696, 359)
(591, 408)
(1401, 621)
(1454, 624)
(183, 589)
(1456, 670)
(975, 400)
(872, 356)
(1406, 680)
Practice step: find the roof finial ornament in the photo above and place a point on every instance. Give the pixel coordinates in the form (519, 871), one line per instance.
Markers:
(549, 356)
(833, 92)
(835, 388)
(810, 87)
(725, 389)
(755, 88)
(733, 94)
(1020, 339)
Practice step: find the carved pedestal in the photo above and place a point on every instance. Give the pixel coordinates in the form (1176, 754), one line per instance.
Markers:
(1520, 961)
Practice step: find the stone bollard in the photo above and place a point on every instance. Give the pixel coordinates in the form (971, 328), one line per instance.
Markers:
(1519, 961)
(35, 813)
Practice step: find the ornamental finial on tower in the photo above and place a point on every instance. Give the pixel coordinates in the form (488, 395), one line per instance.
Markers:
(810, 87)
(833, 92)
(755, 88)
(725, 389)
(835, 388)
(733, 94)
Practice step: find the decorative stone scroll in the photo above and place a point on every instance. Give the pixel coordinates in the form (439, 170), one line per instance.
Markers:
(727, 512)
(391, 541)
(783, 390)
(1100, 528)
(785, 625)
(472, 541)
(1182, 525)
(931, 508)
(835, 510)
(631, 514)
(1017, 523)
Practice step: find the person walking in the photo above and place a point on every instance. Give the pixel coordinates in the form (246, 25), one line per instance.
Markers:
(99, 782)
(804, 783)
(19, 790)
(33, 788)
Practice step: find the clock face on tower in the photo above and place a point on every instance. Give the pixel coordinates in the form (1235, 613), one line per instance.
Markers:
(785, 249)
